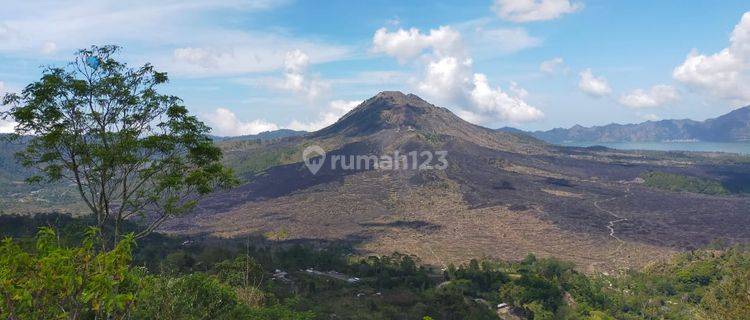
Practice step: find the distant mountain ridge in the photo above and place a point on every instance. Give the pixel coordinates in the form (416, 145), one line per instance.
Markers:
(264, 136)
(731, 127)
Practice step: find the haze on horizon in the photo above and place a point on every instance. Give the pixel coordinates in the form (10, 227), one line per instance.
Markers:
(246, 66)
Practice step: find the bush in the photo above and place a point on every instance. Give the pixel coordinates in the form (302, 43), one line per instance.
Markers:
(55, 282)
(195, 296)
(199, 296)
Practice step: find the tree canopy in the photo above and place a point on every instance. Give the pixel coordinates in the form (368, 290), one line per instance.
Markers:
(129, 150)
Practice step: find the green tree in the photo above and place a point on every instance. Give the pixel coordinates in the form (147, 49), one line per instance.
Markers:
(129, 150)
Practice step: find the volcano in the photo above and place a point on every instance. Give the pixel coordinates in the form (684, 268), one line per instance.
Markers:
(501, 195)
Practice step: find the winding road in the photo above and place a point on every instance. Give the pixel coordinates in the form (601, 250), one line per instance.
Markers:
(618, 218)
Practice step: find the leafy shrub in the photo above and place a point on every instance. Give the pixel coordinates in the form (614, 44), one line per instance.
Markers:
(195, 296)
(56, 282)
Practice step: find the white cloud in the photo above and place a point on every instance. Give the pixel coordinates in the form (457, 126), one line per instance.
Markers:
(76, 24)
(656, 96)
(445, 78)
(649, 117)
(6, 126)
(408, 44)
(503, 40)
(469, 116)
(336, 109)
(180, 37)
(247, 54)
(534, 10)
(225, 123)
(496, 101)
(725, 74)
(517, 90)
(296, 78)
(377, 78)
(552, 66)
(402, 44)
(205, 58)
(593, 85)
(448, 77)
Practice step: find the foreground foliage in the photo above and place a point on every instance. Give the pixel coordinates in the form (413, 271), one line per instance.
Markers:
(65, 276)
(56, 282)
(51, 281)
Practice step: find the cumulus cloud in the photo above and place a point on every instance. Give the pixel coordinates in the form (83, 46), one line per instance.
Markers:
(592, 85)
(724, 74)
(552, 66)
(296, 78)
(408, 44)
(469, 116)
(449, 78)
(656, 96)
(496, 101)
(225, 123)
(534, 10)
(445, 78)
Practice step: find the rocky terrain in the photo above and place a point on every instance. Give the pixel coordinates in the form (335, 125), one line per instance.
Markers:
(503, 195)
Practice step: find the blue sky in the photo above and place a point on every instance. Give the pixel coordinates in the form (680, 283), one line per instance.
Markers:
(246, 66)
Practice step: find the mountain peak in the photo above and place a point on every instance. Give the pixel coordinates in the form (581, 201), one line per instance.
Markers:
(389, 110)
(390, 94)
(394, 112)
(398, 99)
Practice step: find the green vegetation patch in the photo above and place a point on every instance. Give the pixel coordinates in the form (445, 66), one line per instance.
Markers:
(255, 162)
(678, 182)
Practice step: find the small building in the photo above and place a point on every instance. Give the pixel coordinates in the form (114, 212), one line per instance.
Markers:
(352, 280)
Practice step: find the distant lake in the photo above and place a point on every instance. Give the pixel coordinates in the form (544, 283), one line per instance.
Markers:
(731, 147)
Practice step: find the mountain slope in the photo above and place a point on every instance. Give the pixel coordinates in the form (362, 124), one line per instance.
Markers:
(731, 127)
(18, 196)
(502, 195)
